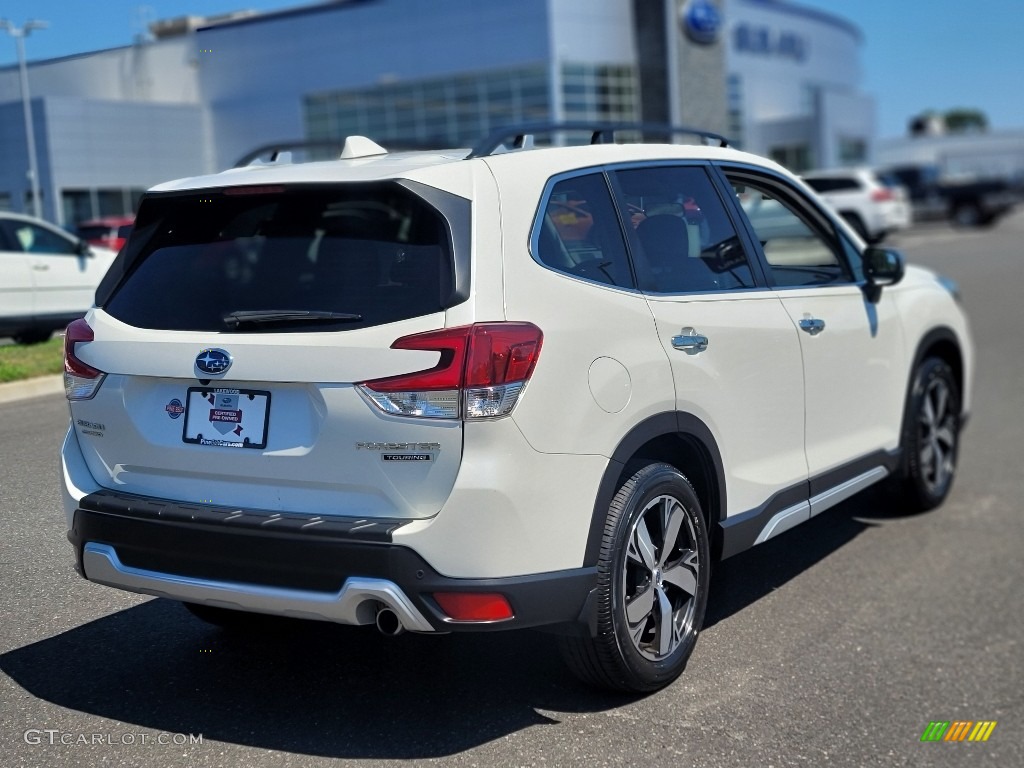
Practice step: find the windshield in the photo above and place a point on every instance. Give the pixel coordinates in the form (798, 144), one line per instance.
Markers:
(355, 255)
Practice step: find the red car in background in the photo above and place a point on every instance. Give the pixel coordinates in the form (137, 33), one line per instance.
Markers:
(108, 231)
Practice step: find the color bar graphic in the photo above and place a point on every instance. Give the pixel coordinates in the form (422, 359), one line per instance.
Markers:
(982, 730)
(958, 730)
(935, 731)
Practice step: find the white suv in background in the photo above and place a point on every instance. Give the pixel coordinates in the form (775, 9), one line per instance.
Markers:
(47, 277)
(874, 204)
(549, 387)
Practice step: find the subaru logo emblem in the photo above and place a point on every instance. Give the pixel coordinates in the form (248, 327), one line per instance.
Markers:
(213, 361)
(701, 21)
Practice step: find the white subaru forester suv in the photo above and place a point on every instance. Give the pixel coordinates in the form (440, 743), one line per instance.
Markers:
(523, 387)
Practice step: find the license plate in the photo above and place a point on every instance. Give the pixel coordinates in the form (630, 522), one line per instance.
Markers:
(230, 418)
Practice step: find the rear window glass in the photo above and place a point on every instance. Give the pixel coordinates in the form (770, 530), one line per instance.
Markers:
(376, 253)
(93, 233)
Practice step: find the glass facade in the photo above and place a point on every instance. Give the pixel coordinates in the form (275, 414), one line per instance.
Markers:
(599, 93)
(734, 99)
(84, 204)
(457, 111)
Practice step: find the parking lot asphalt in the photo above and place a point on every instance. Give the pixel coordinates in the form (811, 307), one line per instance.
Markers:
(834, 644)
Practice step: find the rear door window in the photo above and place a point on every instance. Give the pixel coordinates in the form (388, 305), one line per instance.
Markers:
(682, 239)
(373, 253)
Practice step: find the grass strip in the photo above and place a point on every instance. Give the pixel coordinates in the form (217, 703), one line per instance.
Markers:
(27, 361)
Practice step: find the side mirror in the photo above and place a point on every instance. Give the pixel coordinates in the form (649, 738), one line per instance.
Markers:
(83, 249)
(882, 267)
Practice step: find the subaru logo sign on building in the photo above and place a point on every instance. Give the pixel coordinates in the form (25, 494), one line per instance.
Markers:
(701, 21)
(213, 361)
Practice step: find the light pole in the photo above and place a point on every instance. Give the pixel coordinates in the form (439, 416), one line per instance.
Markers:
(19, 34)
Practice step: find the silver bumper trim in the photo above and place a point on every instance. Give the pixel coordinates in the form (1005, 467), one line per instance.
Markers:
(355, 603)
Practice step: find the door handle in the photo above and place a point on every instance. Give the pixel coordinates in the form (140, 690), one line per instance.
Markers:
(40, 267)
(812, 325)
(690, 341)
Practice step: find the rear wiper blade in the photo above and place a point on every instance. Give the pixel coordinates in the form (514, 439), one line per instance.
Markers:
(274, 316)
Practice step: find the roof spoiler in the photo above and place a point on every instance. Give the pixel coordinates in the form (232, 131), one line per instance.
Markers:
(280, 151)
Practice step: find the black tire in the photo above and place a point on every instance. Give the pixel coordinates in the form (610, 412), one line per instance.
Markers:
(931, 436)
(32, 336)
(225, 618)
(968, 215)
(653, 576)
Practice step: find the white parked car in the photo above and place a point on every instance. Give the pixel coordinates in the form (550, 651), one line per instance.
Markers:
(444, 392)
(874, 204)
(47, 277)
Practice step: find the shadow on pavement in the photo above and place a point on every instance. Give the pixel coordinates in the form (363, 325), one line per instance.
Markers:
(309, 688)
(326, 690)
(747, 577)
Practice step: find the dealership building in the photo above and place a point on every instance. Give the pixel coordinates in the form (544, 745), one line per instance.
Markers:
(196, 94)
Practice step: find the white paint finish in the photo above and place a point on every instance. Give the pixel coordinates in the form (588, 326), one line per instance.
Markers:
(922, 305)
(747, 386)
(311, 464)
(609, 384)
(339, 357)
(513, 510)
(514, 496)
(854, 372)
(42, 283)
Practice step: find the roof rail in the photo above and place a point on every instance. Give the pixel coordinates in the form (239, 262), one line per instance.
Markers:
(601, 133)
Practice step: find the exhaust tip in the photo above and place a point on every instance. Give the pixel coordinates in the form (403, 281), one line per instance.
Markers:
(388, 623)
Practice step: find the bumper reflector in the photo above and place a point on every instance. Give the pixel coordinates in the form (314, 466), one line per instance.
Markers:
(474, 606)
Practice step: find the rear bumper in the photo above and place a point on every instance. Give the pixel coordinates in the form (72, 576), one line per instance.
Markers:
(279, 564)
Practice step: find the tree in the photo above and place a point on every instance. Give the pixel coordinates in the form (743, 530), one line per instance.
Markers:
(964, 120)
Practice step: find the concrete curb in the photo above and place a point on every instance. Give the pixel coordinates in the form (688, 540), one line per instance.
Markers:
(38, 387)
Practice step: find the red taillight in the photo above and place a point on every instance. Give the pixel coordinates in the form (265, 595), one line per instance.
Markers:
(81, 381)
(447, 374)
(480, 374)
(502, 353)
(474, 606)
(882, 195)
(76, 333)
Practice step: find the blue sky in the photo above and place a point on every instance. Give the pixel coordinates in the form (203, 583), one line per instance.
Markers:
(918, 54)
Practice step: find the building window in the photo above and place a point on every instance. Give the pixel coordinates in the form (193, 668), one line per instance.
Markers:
(808, 98)
(734, 96)
(852, 151)
(795, 157)
(599, 92)
(458, 111)
(78, 205)
(454, 111)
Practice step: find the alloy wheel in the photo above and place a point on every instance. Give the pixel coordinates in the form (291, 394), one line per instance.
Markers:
(660, 576)
(937, 429)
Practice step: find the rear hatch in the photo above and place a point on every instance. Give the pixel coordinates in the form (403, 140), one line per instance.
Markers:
(234, 332)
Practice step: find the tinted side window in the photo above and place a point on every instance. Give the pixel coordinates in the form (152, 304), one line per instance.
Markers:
(32, 239)
(830, 184)
(799, 247)
(682, 237)
(579, 232)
